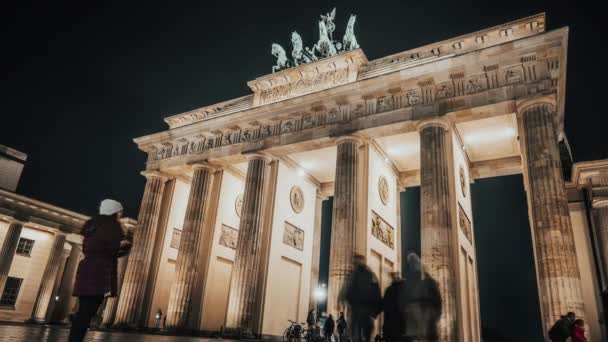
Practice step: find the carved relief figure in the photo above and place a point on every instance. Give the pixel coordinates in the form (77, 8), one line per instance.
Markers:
(463, 182)
(293, 236)
(382, 230)
(383, 190)
(297, 199)
(238, 204)
(229, 237)
(288, 126)
(307, 121)
(412, 97)
(512, 76)
(349, 42)
(464, 223)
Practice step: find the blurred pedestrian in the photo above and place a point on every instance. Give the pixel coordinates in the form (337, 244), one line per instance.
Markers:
(328, 328)
(341, 325)
(394, 320)
(96, 275)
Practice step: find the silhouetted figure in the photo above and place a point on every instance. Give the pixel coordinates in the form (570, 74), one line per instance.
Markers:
(563, 328)
(394, 320)
(96, 275)
(341, 325)
(311, 320)
(421, 301)
(578, 334)
(362, 293)
(158, 316)
(329, 327)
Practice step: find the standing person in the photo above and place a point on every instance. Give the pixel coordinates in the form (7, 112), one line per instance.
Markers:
(421, 302)
(362, 293)
(328, 328)
(311, 321)
(579, 331)
(563, 328)
(341, 326)
(394, 321)
(159, 315)
(96, 275)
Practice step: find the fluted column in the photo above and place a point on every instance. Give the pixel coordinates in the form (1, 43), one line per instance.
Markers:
(7, 252)
(316, 254)
(599, 212)
(48, 282)
(130, 302)
(558, 275)
(62, 308)
(343, 230)
(112, 302)
(244, 280)
(437, 242)
(188, 253)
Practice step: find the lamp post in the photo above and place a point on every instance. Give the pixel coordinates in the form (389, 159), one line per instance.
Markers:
(320, 294)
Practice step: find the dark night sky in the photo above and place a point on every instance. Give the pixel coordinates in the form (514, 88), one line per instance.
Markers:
(80, 81)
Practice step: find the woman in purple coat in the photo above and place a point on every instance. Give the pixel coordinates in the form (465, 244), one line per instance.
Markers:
(96, 276)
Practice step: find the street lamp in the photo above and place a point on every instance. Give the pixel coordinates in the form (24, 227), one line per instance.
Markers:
(320, 294)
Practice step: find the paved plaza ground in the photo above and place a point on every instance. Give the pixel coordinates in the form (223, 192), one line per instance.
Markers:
(33, 333)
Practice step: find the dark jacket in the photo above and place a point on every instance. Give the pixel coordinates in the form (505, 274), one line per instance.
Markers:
(310, 318)
(97, 271)
(394, 320)
(561, 330)
(363, 292)
(329, 326)
(341, 325)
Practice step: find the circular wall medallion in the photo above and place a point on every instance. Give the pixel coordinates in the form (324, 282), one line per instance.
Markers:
(238, 204)
(296, 198)
(463, 181)
(383, 189)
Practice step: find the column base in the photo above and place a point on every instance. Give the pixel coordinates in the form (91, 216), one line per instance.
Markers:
(237, 334)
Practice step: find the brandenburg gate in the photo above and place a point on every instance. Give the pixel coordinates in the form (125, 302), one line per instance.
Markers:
(229, 234)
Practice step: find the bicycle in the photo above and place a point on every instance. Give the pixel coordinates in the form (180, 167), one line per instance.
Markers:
(294, 332)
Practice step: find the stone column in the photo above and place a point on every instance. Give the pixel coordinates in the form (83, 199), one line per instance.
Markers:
(62, 308)
(558, 276)
(130, 302)
(47, 284)
(112, 302)
(244, 280)
(344, 224)
(7, 252)
(436, 230)
(316, 254)
(599, 213)
(180, 300)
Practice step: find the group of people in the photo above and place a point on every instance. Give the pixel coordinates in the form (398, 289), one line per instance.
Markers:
(411, 306)
(568, 327)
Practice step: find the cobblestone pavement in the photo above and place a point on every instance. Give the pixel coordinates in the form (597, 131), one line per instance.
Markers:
(33, 333)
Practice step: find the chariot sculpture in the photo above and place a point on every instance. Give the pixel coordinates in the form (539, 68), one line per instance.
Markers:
(325, 47)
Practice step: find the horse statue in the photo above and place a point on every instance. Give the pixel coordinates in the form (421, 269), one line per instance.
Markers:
(350, 41)
(298, 54)
(325, 47)
(328, 19)
(281, 55)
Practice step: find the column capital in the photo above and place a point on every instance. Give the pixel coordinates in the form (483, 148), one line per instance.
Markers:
(599, 203)
(259, 155)
(434, 122)
(525, 104)
(199, 165)
(349, 138)
(154, 174)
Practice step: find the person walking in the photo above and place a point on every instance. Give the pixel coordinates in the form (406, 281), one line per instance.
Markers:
(362, 293)
(341, 325)
(421, 302)
(563, 328)
(96, 275)
(159, 316)
(394, 320)
(328, 328)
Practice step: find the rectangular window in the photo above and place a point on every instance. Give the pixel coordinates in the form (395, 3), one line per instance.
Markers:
(11, 291)
(24, 247)
(176, 238)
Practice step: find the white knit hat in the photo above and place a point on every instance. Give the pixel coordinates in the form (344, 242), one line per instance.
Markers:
(109, 207)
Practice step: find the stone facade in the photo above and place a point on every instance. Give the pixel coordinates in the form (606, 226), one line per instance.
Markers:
(242, 183)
